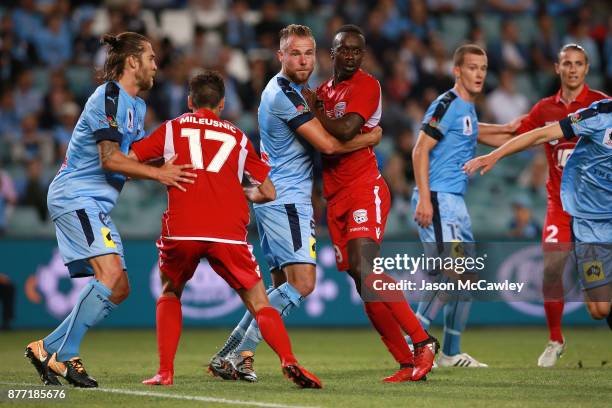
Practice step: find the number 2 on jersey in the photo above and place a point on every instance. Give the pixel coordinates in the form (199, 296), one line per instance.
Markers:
(195, 148)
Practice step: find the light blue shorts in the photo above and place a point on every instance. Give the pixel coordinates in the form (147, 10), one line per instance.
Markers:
(286, 234)
(84, 234)
(593, 247)
(450, 233)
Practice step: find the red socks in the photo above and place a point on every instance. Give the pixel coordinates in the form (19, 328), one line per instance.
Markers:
(274, 333)
(554, 314)
(404, 315)
(169, 325)
(383, 321)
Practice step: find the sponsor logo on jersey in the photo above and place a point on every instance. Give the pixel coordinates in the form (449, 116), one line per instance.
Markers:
(467, 126)
(360, 216)
(607, 139)
(339, 109)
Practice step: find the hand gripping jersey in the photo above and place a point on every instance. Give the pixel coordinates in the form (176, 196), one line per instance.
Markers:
(214, 208)
(110, 114)
(360, 94)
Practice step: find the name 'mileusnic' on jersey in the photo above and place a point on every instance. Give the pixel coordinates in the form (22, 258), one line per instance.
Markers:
(361, 95)
(214, 208)
(586, 186)
(109, 114)
(281, 111)
(452, 121)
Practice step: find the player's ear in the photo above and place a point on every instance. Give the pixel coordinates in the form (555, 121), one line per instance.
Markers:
(189, 102)
(221, 105)
(557, 68)
(279, 55)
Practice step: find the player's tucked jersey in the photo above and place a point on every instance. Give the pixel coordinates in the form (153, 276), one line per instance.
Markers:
(454, 124)
(282, 110)
(549, 110)
(110, 114)
(586, 186)
(214, 208)
(360, 94)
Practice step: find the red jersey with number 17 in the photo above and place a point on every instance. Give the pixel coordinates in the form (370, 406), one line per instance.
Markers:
(549, 110)
(214, 208)
(361, 95)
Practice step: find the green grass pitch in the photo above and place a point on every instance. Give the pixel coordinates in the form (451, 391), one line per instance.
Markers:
(350, 362)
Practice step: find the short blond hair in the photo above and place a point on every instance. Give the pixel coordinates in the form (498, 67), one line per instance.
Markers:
(295, 30)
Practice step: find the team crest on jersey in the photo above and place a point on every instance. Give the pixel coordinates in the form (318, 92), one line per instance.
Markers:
(575, 118)
(360, 216)
(433, 122)
(607, 139)
(339, 109)
(467, 126)
(130, 117)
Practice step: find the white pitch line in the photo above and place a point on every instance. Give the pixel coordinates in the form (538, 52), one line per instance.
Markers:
(173, 396)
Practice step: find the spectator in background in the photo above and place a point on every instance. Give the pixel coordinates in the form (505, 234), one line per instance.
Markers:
(546, 45)
(9, 121)
(505, 104)
(420, 24)
(394, 24)
(239, 32)
(86, 44)
(398, 86)
(533, 178)
(8, 199)
(398, 170)
(7, 298)
(26, 97)
(132, 17)
(32, 142)
(523, 226)
(266, 31)
(68, 116)
(57, 95)
(53, 43)
(578, 33)
(32, 191)
(10, 62)
(511, 6)
(27, 20)
(509, 53)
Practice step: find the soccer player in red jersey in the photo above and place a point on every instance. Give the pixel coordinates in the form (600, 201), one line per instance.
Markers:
(572, 68)
(359, 200)
(209, 221)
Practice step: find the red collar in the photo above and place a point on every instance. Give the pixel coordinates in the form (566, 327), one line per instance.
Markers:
(582, 96)
(206, 113)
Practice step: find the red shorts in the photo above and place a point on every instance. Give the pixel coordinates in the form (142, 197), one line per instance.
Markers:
(235, 263)
(360, 213)
(557, 232)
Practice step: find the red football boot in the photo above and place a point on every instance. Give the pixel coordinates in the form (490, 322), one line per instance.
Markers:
(403, 374)
(163, 378)
(301, 376)
(424, 355)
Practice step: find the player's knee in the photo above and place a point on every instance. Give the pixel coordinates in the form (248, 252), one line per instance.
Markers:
(304, 286)
(598, 310)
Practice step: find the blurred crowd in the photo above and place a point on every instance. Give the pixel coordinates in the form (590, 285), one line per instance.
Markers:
(50, 55)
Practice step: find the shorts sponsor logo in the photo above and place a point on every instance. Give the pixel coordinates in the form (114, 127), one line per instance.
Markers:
(360, 216)
(313, 247)
(607, 140)
(593, 271)
(107, 237)
(354, 229)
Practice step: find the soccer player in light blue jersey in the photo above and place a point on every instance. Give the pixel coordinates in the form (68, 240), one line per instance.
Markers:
(85, 191)
(447, 140)
(586, 194)
(290, 136)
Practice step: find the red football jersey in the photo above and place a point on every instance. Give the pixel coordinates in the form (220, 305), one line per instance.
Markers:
(214, 208)
(359, 94)
(549, 110)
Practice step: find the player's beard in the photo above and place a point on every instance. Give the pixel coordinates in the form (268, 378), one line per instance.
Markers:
(145, 82)
(300, 77)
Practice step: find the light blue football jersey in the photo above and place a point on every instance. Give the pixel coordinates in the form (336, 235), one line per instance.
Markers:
(282, 110)
(586, 185)
(110, 114)
(454, 124)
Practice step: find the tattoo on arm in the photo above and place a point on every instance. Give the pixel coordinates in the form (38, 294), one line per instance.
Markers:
(106, 148)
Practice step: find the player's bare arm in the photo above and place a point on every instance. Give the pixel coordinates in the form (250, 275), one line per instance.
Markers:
(112, 159)
(344, 128)
(261, 193)
(496, 135)
(420, 160)
(522, 142)
(314, 132)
